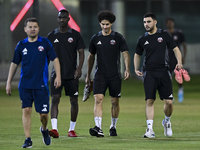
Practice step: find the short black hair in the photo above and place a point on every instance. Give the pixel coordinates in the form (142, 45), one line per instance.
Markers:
(64, 11)
(150, 14)
(171, 19)
(30, 20)
(106, 15)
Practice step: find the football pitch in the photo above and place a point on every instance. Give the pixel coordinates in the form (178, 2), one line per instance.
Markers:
(131, 124)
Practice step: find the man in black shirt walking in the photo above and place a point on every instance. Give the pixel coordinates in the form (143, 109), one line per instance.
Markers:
(107, 44)
(66, 42)
(179, 38)
(155, 71)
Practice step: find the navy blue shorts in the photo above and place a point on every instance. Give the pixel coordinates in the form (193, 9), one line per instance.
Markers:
(71, 87)
(101, 84)
(40, 97)
(158, 80)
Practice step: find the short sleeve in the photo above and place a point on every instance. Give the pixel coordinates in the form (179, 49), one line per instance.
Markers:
(170, 41)
(17, 55)
(182, 37)
(92, 48)
(139, 49)
(123, 46)
(51, 54)
(81, 44)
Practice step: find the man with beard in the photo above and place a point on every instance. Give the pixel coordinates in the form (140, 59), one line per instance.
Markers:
(155, 71)
(67, 42)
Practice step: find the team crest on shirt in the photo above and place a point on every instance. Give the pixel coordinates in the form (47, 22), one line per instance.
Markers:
(160, 39)
(40, 48)
(112, 42)
(70, 40)
(175, 37)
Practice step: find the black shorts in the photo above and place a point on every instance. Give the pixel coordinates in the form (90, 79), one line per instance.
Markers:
(158, 80)
(101, 84)
(71, 87)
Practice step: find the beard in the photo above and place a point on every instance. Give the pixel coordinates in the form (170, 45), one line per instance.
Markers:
(150, 29)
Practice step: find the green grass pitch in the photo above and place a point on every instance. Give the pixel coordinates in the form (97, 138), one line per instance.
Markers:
(131, 124)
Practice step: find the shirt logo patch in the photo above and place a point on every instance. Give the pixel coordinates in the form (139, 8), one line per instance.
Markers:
(70, 40)
(112, 42)
(160, 39)
(55, 41)
(146, 43)
(40, 48)
(25, 51)
(99, 43)
(175, 37)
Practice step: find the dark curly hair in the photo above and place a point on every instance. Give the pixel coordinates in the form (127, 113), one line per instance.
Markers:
(106, 15)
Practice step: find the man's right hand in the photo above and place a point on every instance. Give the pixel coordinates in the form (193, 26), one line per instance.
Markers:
(8, 89)
(139, 73)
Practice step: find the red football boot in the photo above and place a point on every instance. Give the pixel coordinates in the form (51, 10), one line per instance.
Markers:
(72, 134)
(185, 75)
(54, 133)
(178, 76)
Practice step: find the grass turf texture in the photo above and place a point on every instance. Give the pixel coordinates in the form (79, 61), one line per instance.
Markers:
(130, 127)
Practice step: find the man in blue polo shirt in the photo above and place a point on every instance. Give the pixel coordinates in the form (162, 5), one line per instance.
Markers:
(34, 53)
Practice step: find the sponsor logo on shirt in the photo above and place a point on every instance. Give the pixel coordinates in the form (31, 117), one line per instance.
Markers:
(40, 48)
(99, 43)
(55, 41)
(112, 42)
(160, 39)
(70, 40)
(25, 51)
(146, 43)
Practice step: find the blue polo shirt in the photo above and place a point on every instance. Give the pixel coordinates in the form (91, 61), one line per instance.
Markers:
(34, 58)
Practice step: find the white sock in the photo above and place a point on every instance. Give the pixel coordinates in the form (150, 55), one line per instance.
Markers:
(54, 123)
(150, 124)
(98, 121)
(72, 125)
(167, 119)
(113, 122)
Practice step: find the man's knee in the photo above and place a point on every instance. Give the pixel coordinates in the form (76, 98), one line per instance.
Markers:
(98, 98)
(27, 110)
(115, 101)
(74, 101)
(168, 102)
(149, 102)
(44, 116)
(55, 99)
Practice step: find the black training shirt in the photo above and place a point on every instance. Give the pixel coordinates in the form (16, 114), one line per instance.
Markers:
(179, 38)
(66, 46)
(108, 50)
(156, 47)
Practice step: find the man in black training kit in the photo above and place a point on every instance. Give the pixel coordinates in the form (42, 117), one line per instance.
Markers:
(66, 42)
(107, 44)
(179, 38)
(155, 72)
